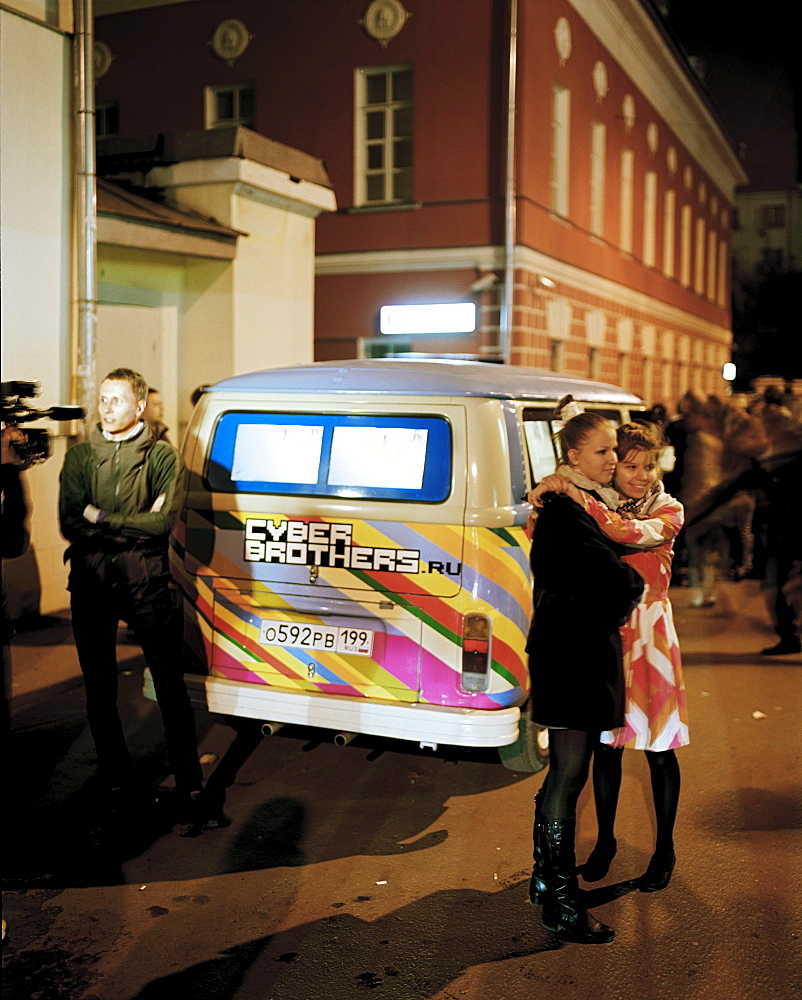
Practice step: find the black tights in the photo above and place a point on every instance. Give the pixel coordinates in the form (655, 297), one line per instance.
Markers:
(570, 751)
(665, 775)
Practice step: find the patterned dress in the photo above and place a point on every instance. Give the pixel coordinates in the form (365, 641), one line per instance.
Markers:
(656, 713)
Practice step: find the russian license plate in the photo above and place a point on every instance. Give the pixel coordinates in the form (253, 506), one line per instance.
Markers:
(331, 638)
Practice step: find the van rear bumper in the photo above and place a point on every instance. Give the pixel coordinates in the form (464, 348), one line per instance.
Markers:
(422, 723)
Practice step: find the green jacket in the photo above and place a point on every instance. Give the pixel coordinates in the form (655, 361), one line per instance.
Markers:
(125, 479)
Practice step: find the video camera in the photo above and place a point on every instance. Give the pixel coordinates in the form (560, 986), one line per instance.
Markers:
(36, 447)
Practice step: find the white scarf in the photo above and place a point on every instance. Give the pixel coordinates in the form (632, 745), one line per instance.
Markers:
(608, 494)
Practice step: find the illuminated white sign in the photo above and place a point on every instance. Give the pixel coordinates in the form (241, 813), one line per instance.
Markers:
(448, 317)
(728, 371)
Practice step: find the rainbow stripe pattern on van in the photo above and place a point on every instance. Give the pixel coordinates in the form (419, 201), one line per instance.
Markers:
(408, 584)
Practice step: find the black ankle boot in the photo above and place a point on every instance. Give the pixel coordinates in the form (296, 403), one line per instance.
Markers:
(599, 861)
(658, 874)
(563, 914)
(537, 887)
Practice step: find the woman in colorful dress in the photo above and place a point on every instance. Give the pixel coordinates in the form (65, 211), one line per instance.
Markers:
(647, 519)
(583, 593)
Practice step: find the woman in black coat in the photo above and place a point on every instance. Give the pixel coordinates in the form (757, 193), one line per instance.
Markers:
(583, 593)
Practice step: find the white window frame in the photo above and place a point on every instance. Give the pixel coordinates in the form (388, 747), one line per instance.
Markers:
(210, 105)
(557, 359)
(699, 258)
(362, 143)
(598, 157)
(560, 147)
(685, 246)
(101, 115)
(722, 273)
(669, 232)
(626, 197)
(624, 368)
(650, 218)
(712, 246)
(594, 363)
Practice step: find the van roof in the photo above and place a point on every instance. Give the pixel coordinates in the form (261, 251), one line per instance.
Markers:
(446, 377)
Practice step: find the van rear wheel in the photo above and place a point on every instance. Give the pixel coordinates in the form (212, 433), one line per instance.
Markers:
(530, 752)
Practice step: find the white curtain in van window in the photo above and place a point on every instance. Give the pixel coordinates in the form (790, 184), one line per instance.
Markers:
(382, 457)
(277, 453)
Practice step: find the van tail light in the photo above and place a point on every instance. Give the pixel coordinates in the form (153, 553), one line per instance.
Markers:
(476, 636)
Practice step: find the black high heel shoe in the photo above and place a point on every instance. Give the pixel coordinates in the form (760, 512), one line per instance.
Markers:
(599, 861)
(658, 874)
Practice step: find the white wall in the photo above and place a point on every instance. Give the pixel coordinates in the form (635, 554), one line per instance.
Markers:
(35, 272)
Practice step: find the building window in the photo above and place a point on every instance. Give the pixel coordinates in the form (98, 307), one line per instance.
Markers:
(669, 232)
(712, 245)
(650, 219)
(560, 148)
(623, 369)
(625, 200)
(647, 376)
(721, 296)
(557, 355)
(384, 136)
(598, 149)
(685, 246)
(772, 216)
(666, 389)
(699, 258)
(229, 106)
(107, 119)
(594, 363)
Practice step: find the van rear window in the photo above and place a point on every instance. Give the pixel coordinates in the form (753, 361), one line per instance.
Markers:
(346, 455)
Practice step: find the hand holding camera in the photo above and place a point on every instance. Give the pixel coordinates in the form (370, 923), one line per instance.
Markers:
(29, 446)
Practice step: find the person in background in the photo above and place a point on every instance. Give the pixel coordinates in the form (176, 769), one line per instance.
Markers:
(154, 416)
(583, 592)
(647, 520)
(14, 540)
(776, 474)
(117, 506)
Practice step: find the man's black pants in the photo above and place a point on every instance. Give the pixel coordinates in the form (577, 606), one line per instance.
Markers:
(97, 609)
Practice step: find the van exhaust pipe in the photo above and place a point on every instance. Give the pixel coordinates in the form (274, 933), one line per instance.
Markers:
(343, 739)
(271, 728)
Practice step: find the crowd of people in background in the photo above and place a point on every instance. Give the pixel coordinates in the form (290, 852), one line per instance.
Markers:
(736, 465)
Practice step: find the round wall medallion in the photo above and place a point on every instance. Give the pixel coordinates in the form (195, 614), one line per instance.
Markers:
(102, 58)
(600, 84)
(562, 39)
(628, 111)
(383, 19)
(230, 39)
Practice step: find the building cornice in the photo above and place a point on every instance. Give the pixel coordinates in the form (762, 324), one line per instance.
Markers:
(492, 258)
(251, 179)
(630, 35)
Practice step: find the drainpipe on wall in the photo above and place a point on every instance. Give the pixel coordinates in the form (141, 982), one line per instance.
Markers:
(85, 392)
(507, 292)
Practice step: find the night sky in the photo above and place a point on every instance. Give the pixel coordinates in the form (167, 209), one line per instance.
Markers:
(752, 75)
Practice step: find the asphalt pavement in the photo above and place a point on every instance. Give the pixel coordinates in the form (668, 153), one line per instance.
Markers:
(397, 871)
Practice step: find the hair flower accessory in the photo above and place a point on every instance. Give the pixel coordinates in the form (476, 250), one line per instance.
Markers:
(572, 409)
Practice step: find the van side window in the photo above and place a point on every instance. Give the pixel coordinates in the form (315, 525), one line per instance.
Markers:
(539, 431)
(335, 455)
(614, 416)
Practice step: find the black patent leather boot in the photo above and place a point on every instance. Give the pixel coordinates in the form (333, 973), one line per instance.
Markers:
(537, 887)
(562, 912)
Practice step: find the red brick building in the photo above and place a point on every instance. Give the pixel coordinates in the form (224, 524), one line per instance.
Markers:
(586, 210)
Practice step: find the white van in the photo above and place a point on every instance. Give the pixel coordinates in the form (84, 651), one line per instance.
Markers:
(353, 551)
